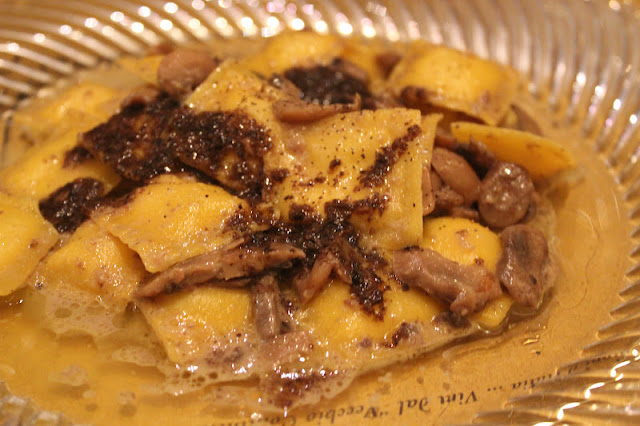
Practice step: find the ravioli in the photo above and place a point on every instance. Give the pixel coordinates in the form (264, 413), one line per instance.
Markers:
(352, 140)
(172, 220)
(48, 166)
(322, 205)
(26, 239)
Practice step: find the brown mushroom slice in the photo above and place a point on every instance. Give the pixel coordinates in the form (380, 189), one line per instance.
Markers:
(477, 155)
(466, 288)
(465, 213)
(310, 282)
(456, 173)
(222, 267)
(505, 195)
(525, 267)
(445, 198)
(183, 70)
(445, 139)
(269, 315)
(298, 111)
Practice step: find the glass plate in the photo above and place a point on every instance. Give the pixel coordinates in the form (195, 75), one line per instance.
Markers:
(578, 362)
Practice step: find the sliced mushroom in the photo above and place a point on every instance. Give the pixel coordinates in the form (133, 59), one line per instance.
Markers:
(446, 198)
(465, 212)
(298, 111)
(445, 139)
(310, 282)
(456, 173)
(226, 266)
(477, 155)
(466, 288)
(269, 315)
(525, 268)
(505, 195)
(183, 70)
